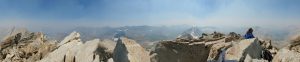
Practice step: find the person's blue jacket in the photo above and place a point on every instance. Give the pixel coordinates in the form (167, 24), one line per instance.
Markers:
(249, 36)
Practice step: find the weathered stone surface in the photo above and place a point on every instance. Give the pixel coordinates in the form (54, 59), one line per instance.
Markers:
(215, 36)
(94, 50)
(128, 50)
(240, 50)
(109, 45)
(216, 50)
(267, 45)
(14, 38)
(169, 51)
(86, 53)
(105, 50)
(232, 36)
(75, 51)
(110, 60)
(295, 44)
(286, 55)
(24, 46)
(32, 47)
(248, 50)
(73, 36)
(290, 53)
(66, 51)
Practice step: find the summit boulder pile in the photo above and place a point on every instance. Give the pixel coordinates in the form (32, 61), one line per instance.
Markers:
(245, 50)
(290, 53)
(72, 49)
(185, 49)
(179, 52)
(191, 46)
(24, 46)
(128, 50)
(213, 47)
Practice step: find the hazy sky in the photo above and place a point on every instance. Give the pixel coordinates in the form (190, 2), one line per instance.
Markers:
(45, 13)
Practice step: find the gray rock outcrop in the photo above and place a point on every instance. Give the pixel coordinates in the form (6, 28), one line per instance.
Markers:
(128, 50)
(24, 46)
(169, 51)
(246, 48)
(66, 51)
(290, 53)
(72, 49)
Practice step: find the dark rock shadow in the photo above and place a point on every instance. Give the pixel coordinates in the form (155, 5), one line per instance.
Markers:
(120, 52)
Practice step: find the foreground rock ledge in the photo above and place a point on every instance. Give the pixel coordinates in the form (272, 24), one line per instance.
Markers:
(24, 46)
(245, 50)
(66, 50)
(169, 51)
(128, 50)
(72, 49)
(290, 53)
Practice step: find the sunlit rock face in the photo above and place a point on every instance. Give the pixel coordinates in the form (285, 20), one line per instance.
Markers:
(24, 46)
(240, 51)
(169, 51)
(290, 53)
(208, 47)
(217, 50)
(183, 50)
(66, 50)
(286, 55)
(232, 36)
(72, 49)
(128, 50)
(73, 36)
(94, 51)
(247, 50)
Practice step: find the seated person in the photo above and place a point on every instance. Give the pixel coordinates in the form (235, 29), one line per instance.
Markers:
(249, 34)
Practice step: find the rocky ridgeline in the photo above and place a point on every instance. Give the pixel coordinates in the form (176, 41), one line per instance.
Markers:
(26, 46)
(290, 53)
(215, 47)
(128, 50)
(72, 49)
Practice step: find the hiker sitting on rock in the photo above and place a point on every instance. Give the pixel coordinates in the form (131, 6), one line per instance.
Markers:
(249, 34)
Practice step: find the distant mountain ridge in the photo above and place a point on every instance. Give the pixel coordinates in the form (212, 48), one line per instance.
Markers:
(139, 33)
(192, 33)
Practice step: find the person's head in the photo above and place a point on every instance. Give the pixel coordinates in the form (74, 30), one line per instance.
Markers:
(250, 30)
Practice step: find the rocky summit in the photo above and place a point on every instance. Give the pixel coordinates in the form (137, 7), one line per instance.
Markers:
(180, 52)
(27, 46)
(24, 46)
(72, 49)
(215, 47)
(290, 53)
(128, 50)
